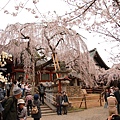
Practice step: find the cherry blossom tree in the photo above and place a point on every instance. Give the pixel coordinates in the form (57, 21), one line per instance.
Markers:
(97, 16)
(33, 41)
(109, 77)
(100, 17)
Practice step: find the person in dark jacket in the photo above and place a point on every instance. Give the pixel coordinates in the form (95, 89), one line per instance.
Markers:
(59, 103)
(117, 95)
(1, 98)
(10, 108)
(113, 117)
(41, 89)
(36, 102)
(28, 102)
(65, 100)
(8, 87)
(105, 94)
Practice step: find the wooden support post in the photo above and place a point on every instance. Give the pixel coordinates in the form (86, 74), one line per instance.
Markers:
(85, 102)
(57, 67)
(100, 100)
(81, 102)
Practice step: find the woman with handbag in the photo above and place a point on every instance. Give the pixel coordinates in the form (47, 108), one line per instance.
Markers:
(36, 103)
(65, 102)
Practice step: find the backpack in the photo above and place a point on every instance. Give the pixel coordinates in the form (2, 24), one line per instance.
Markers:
(29, 102)
(34, 110)
(4, 101)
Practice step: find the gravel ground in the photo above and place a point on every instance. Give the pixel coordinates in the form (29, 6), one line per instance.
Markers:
(97, 113)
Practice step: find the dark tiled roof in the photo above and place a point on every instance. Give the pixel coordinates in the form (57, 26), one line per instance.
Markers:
(95, 55)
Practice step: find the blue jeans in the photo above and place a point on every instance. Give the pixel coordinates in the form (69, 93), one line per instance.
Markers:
(59, 110)
(23, 90)
(105, 105)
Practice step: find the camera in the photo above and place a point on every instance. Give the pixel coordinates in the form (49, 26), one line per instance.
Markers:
(115, 117)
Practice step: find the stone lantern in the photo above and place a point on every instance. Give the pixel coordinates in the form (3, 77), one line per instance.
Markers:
(63, 79)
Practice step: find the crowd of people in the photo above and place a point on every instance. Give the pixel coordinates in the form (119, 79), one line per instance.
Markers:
(19, 103)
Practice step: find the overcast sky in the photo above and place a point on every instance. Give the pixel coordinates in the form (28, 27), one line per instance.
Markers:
(44, 6)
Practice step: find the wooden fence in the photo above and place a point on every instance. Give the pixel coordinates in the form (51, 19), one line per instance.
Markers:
(94, 90)
(84, 100)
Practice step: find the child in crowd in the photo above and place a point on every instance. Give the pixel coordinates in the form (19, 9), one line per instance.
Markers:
(22, 110)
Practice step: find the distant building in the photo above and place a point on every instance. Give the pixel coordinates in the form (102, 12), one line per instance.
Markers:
(97, 59)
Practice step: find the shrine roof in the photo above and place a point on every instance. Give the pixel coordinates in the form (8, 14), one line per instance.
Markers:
(97, 58)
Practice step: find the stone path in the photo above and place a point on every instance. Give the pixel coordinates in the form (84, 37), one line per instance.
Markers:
(97, 113)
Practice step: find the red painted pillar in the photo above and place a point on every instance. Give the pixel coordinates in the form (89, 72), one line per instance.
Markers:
(26, 76)
(51, 76)
(59, 86)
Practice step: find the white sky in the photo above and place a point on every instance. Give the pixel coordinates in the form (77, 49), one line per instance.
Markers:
(24, 16)
(44, 6)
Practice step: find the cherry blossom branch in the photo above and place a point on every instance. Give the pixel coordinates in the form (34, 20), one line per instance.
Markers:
(83, 11)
